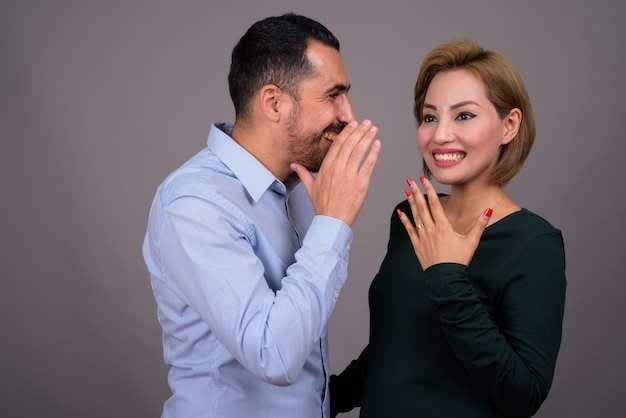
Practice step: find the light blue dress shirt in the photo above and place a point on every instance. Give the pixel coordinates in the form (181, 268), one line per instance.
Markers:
(245, 277)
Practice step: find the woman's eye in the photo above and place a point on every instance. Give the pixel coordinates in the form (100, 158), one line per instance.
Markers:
(466, 116)
(429, 118)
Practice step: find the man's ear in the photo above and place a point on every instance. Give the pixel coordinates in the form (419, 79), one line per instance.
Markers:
(512, 122)
(272, 100)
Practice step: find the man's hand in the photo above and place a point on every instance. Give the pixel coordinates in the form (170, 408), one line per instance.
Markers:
(341, 185)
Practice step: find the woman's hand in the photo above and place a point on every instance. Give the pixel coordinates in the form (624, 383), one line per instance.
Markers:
(432, 236)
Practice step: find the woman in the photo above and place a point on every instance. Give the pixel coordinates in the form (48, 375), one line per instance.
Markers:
(466, 311)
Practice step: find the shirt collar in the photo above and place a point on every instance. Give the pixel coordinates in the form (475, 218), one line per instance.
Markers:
(254, 177)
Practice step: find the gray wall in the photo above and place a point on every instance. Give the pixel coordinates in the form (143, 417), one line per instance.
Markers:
(99, 100)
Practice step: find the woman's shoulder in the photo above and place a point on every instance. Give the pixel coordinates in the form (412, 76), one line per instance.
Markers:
(523, 228)
(525, 218)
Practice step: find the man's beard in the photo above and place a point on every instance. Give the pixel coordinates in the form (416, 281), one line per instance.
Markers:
(307, 150)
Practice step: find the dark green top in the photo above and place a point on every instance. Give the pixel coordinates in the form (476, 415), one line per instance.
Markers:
(455, 341)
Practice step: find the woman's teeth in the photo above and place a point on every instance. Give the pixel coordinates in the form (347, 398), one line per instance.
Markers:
(455, 156)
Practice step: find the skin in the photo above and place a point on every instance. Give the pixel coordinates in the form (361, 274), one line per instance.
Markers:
(323, 110)
(461, 127)
(317, 133)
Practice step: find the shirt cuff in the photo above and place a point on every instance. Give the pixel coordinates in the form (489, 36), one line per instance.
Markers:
(330, 232)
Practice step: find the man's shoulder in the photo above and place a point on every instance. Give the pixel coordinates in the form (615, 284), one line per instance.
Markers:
(201, 174)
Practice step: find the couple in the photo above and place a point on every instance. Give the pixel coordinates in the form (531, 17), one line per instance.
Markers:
(248, 251)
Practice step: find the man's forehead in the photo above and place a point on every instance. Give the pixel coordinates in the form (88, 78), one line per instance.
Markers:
(328, 65)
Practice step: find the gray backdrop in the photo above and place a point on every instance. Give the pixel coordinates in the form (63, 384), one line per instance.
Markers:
(99, 100)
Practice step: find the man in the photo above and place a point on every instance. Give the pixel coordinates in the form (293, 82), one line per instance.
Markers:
(247, 250)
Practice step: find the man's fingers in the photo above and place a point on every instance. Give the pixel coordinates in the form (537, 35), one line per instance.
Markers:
(305, 175)
(353, 142)
(341, 184)
(367, 168)
(364, 146)
(338, 143)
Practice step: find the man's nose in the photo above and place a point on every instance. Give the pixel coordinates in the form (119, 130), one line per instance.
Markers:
(345, 113)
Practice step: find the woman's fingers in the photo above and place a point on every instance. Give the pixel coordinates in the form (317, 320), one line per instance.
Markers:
(433, 238)
(479, 226)
(434, 204)
(408, 225)
(426, 213)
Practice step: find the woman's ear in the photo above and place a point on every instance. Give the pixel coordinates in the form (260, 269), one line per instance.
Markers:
(271, 99)
(511, 122)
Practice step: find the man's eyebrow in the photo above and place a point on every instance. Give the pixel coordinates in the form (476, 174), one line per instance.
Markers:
(338, 87)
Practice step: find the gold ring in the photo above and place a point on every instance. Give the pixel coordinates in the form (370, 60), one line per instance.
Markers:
(419, 226)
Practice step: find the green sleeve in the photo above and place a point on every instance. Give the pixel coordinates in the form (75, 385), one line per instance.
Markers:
(346, 389)
(512, 361)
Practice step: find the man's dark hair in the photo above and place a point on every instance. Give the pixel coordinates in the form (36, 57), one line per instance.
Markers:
(272, 51)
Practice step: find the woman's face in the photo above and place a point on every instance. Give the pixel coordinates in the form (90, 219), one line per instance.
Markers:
(461, 132)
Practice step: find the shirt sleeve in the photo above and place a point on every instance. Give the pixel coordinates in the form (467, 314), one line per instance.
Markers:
(346, 389)
(208, 255)
(513, 361)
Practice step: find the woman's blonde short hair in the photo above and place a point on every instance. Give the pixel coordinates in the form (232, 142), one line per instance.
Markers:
(504, 88)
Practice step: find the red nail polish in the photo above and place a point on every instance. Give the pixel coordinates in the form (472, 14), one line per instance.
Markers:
(489, 212)
(409, 182)
(408, 193)
(422, 179)
(399, 213)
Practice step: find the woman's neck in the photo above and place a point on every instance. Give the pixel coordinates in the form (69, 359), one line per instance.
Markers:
(464, 205)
